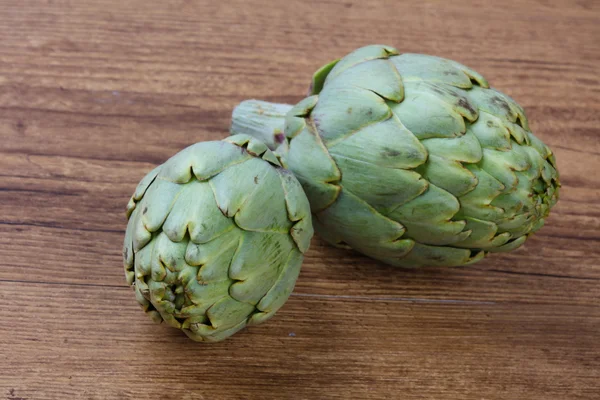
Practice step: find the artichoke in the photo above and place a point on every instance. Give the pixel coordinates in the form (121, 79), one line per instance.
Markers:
(216, 237)
(410, 159)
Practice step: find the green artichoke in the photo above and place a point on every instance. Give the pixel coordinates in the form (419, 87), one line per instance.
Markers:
(411, 159)
(216, 237)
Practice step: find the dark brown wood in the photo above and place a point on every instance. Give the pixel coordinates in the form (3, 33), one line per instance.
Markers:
(94, 94)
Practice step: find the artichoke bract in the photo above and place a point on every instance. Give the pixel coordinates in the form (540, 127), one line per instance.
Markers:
(411, 159)
(216, 237)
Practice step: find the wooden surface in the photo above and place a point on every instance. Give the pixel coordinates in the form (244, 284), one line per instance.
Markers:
(94, 94)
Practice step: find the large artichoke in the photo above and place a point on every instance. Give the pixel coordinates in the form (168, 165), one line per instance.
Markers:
(215, 238)
(411, 159)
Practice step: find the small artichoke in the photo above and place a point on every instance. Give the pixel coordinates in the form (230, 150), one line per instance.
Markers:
(216, 237)
(411, 159)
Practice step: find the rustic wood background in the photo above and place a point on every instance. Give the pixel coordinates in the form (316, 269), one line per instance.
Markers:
(95, 93)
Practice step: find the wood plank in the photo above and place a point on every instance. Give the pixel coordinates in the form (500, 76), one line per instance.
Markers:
(78, 238)
(91, 342)
(547, 271)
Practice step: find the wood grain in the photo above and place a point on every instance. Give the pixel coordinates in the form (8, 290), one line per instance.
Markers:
(95, 93)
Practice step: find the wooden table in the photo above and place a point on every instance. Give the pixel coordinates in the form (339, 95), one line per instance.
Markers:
(95, 93)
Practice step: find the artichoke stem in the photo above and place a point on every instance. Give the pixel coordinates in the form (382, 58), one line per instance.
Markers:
(262, 120)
